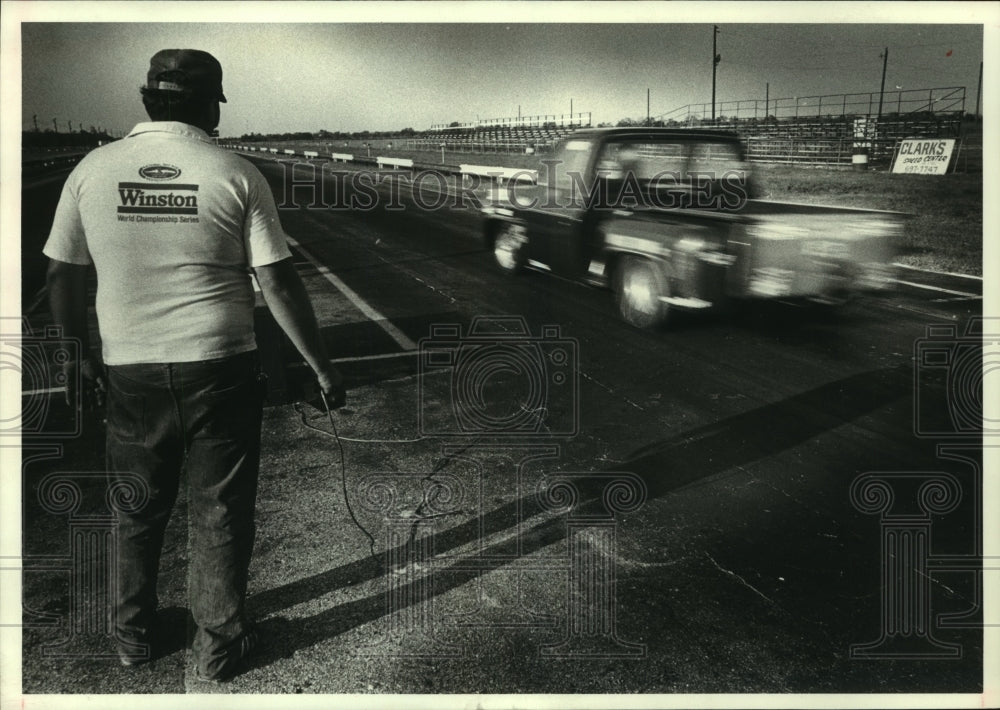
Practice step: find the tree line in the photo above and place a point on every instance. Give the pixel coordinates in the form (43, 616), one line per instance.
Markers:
(328, 135)
(52, 139)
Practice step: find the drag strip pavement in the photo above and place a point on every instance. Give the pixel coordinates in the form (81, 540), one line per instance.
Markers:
(735, 554)
(742, 433)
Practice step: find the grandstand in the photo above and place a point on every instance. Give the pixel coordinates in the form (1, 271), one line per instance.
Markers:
(831, 129)
(502, 135)
(813, 130)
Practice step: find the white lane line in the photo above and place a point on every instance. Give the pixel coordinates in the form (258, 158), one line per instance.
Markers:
(393, 332)
(956, 299)
(940, 273)
(922, 312)
(382, 356)
(50, 390)
(939, 289)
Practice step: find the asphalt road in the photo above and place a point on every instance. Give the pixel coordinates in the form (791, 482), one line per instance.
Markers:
(680, 520)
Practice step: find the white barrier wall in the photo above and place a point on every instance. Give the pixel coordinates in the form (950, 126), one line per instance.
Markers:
(499, 173)
(394, 162)
(494, 172)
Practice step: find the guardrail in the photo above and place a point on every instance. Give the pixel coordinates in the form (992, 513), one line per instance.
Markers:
(500, 174)
(494, 172)
(394, 163)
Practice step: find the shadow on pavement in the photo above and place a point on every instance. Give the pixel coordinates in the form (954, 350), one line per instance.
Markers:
(664, 467)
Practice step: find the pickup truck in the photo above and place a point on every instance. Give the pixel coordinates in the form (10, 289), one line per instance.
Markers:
(667, 219)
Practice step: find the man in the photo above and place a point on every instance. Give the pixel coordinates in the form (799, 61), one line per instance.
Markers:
(173, 226)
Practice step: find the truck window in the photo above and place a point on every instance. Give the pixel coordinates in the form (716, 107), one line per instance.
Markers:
(644, 160)
(715, 157)
(570, 157)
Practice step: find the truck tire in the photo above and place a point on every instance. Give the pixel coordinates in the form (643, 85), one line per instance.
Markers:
(639, 286)
(508, 249)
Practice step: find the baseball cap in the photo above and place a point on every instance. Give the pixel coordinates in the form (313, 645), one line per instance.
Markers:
(186, 70)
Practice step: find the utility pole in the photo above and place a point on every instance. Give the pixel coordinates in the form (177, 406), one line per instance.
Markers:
(767, 99)
(979, 89)
(647, 107)
(716, 58)
(571, 112)
(885, 61)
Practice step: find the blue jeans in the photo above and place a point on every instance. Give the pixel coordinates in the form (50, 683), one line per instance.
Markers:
(203, 419)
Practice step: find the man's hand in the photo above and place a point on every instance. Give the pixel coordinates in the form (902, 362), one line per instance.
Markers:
(286, 297)
(88, 375)
(331, 383)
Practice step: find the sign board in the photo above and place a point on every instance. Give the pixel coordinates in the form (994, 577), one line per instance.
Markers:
(924, 156)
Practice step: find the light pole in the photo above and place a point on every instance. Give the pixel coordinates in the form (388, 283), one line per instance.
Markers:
(716, 58)
(881, 93)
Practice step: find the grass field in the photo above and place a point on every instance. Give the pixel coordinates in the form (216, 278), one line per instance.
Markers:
(944, 230)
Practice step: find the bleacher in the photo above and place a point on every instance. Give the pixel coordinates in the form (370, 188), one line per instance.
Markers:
(522, 134)
(823, 130)
(892, 127)
(504, 138)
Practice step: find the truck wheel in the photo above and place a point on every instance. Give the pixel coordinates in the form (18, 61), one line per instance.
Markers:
(508, 249)
(639, 287)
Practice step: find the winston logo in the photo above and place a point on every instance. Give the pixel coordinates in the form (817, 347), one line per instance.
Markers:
(159, 172)
(141, 198)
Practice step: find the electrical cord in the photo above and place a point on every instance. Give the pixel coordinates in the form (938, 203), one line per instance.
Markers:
(343, 466)
(343, 470)
(307, 425)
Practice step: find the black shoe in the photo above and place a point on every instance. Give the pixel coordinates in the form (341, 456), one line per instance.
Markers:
(166, 635)
(135, 653)
(235, 662)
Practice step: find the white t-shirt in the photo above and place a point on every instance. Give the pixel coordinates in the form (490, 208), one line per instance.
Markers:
(172, 224)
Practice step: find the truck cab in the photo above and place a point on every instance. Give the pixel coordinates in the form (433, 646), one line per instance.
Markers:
(667, 218)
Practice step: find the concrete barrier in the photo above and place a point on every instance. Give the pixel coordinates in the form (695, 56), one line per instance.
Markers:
(345, 157)
(859, 158)
(289, 151)
(501, 174)
(310, 153)
(273, 150)
(394, 162)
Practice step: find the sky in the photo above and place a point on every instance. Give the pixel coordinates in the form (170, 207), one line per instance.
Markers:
(364, 69)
